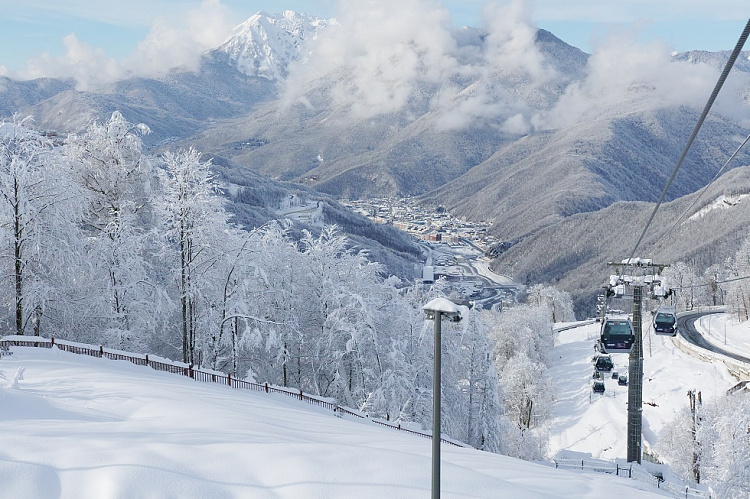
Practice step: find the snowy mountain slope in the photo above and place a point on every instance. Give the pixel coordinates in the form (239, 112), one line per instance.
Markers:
(354, 152)
(584, 243)
(18, 95)
(626, 155)
(78, 427)
(175, 107)
(266, 44)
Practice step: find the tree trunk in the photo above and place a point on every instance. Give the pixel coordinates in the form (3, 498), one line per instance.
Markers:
(18, 253)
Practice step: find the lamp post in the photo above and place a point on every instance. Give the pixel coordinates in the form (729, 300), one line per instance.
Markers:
(436, 310)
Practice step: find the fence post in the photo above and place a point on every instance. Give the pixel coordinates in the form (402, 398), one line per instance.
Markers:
(229, 379)
(190, 370)
(53, 341)
(300, 393)
(146, 359)
(266, 386)
(101, 351)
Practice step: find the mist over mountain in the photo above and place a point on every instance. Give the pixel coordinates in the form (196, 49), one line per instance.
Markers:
(503, 122)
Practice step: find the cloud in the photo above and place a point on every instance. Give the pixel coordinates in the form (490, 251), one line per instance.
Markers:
(623, 72)
(172, 42)
(413, 56)
(386, 48)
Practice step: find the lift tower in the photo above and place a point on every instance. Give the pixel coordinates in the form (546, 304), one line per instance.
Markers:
(636, 273)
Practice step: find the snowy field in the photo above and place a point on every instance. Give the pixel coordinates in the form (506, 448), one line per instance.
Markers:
(596, 424)
(78, 427)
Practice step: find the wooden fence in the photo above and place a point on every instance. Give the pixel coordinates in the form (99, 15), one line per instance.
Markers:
(198, 374)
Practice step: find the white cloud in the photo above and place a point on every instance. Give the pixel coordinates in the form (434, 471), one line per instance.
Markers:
(87, 65)
(622, 71)
(413, 51)
(172, 42)
(388, 47)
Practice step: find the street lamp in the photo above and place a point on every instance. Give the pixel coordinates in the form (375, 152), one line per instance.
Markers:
(436, 310)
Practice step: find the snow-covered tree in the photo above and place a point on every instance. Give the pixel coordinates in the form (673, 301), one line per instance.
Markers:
(559, 303)
(521, 338)
(117, 179)
(39, 207)
(194, 221)
(720, 438)
(738, 295)
(689, 289)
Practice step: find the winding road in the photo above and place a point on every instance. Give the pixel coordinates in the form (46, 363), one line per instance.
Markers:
(686, 327)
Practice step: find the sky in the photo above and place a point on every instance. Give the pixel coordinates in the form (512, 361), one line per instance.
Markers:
(159, 31)
(73, 426)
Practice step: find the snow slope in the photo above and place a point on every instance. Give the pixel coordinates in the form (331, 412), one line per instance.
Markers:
(596, 424)
(78, 427)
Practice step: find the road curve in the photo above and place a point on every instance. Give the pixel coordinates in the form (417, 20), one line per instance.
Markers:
(686, 327)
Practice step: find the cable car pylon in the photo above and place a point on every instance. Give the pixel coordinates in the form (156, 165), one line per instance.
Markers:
(636, 273)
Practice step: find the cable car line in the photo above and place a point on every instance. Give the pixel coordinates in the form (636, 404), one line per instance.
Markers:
(711, 283)
(732, 58)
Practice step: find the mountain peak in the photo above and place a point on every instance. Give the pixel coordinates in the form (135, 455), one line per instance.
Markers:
(265, 44)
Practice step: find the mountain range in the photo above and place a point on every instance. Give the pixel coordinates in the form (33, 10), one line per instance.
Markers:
(521, 129)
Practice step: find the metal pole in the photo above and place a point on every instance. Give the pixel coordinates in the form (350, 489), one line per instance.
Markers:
(635, 382)
(436, 412)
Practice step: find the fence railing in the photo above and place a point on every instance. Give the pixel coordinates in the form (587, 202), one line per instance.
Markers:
(634, 472)
(198, 374)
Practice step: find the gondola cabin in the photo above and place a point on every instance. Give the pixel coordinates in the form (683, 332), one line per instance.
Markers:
(664, 321)
(616, 335)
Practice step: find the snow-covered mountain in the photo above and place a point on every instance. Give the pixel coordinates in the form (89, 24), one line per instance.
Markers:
(507, 123)
(266, 44)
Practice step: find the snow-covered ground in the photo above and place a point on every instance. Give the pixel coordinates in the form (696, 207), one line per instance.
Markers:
(596, 424)
(78, 427)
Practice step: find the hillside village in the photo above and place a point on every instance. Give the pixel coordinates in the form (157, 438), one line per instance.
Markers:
(424, 223)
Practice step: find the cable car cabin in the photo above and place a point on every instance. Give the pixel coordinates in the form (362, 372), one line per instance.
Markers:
(616, 336)
(664, 321)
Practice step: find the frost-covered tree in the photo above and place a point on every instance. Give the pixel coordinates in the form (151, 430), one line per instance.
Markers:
(404, 392)
(738, 295)
(521, 338)
(117, 179)
(344, 353)
(559, 303)
(689, 289)
(39, 207)
(484, 423)
(726, 445)
(194, 223)
(721, 440)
